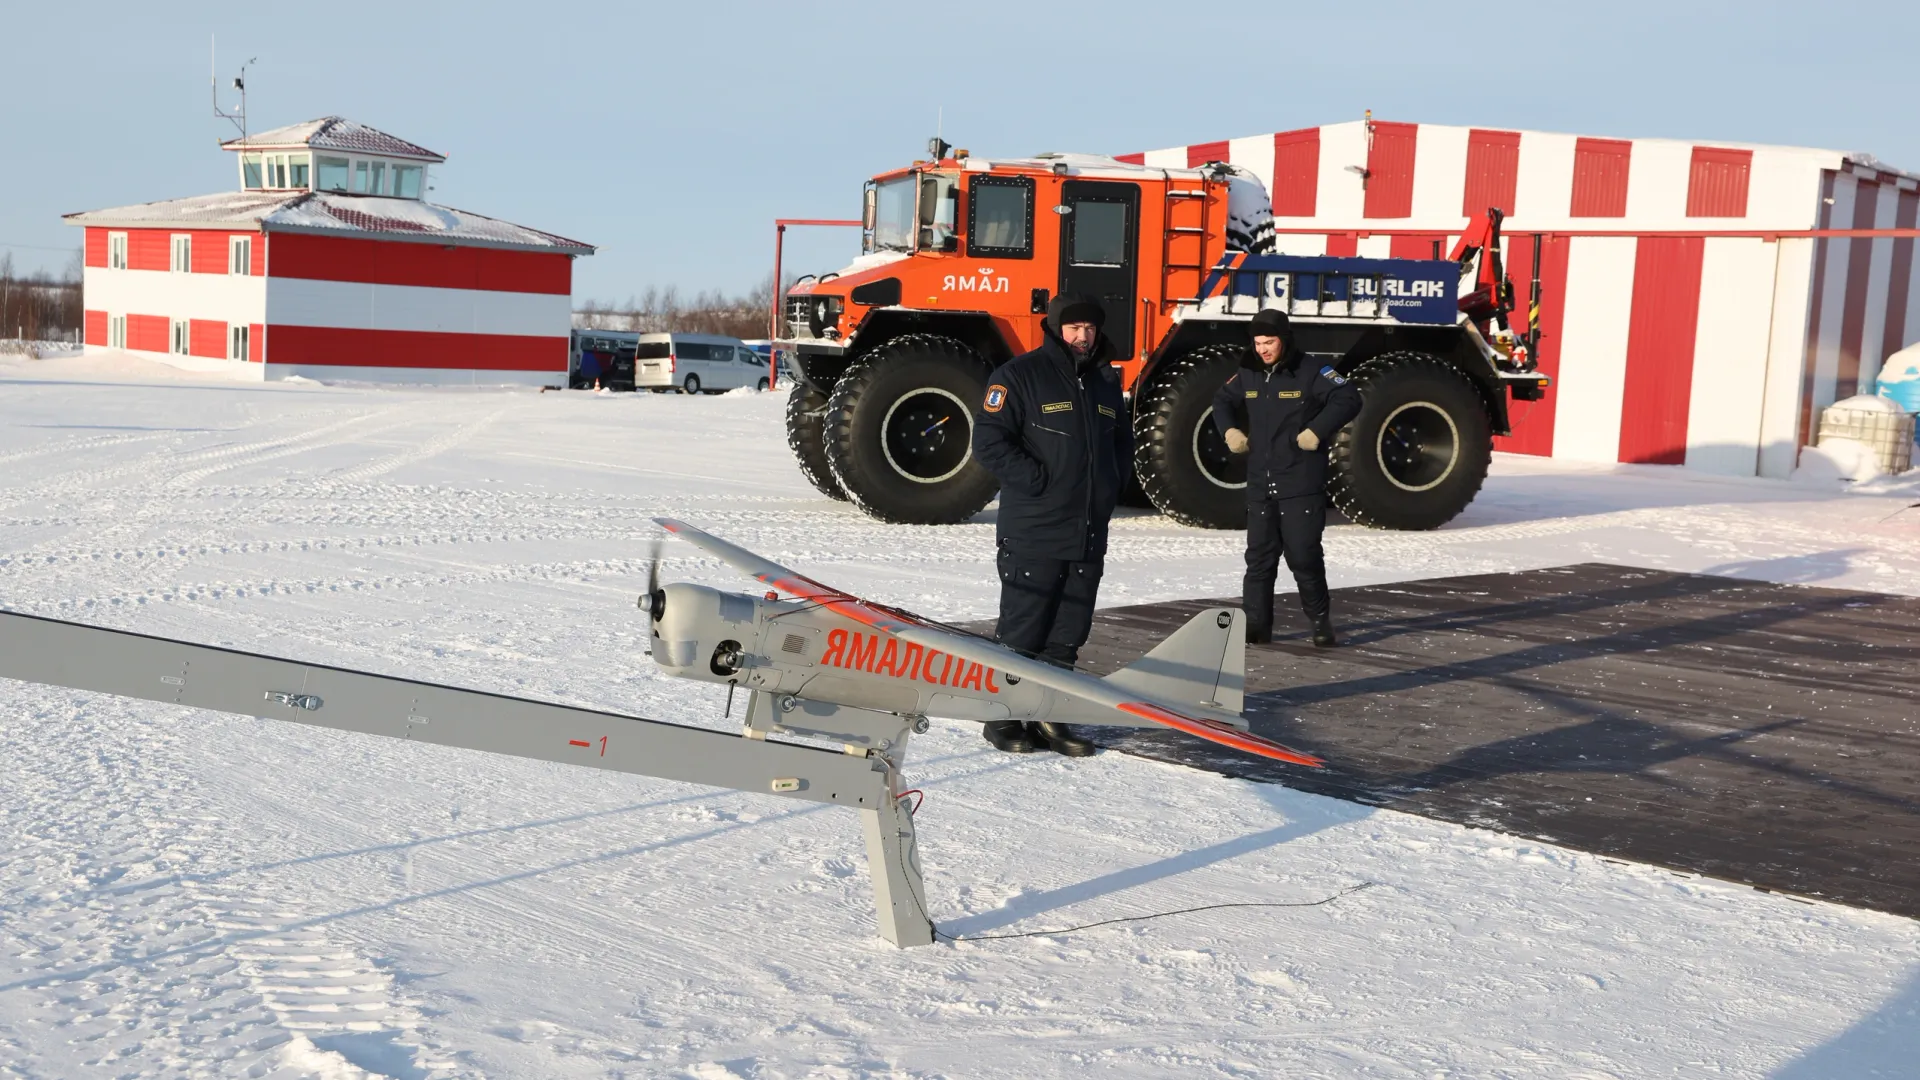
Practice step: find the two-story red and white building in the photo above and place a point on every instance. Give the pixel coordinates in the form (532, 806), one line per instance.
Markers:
(330, 264)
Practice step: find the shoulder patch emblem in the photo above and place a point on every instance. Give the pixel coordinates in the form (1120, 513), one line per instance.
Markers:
(1333, 376)
(996, 397)
(1057, 406)
(1104, 411)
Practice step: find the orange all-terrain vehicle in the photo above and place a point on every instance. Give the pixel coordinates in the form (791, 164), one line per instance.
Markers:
(960, 256)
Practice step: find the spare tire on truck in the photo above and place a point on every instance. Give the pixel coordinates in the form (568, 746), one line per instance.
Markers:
(899, 432)
(1178, 453)
(806, 437)
(1419, 450)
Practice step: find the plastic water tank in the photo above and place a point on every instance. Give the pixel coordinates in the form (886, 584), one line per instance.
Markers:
(1900, 379)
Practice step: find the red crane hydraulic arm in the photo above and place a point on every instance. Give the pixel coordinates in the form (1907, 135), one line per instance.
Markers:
(1492, 297)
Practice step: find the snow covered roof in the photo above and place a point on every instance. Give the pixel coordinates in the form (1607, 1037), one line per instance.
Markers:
(1081, 165)
(333, 214)
(334, 133)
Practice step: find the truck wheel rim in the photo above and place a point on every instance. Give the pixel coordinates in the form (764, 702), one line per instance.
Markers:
(927, 435)
(1210, 454)
(1418, 447)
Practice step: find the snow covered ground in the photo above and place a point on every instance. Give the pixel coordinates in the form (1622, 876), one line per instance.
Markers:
(190, 894)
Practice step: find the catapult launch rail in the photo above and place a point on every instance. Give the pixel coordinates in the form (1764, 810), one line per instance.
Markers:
(57, 653)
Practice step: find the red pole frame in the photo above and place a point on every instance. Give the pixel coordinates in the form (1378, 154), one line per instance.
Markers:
(779, 248)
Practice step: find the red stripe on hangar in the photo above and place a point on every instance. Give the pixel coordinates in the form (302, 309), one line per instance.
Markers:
(327, 346)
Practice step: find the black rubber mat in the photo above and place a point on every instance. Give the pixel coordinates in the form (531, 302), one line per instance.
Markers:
(1765, 734)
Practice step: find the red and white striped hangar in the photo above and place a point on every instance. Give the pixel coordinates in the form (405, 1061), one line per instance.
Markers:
(1701, 301)
(330, 264)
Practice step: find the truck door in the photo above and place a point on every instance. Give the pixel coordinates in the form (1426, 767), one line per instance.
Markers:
(1099, 239)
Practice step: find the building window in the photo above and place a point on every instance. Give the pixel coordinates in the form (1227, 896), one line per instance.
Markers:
(182, 261)
(297, 170)
(177, 345)
(116, 331)
(329, 173)
(237, 344)
(406, 181)
(240, 255)
(116, 251)
(251, 176)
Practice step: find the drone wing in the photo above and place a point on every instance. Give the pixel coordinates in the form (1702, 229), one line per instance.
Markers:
(982, 651)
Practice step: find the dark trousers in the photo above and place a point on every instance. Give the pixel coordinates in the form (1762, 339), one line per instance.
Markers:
(1046, 605)
(1289, 527)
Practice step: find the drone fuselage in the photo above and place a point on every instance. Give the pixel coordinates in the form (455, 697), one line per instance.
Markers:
(799, 650)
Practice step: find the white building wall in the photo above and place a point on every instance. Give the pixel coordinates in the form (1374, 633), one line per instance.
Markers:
(353, 305)
(1730, 355)
(1593, 349)
(228, 298)
(1786, 356)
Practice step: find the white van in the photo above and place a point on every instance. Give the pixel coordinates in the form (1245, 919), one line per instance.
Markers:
(696, 363)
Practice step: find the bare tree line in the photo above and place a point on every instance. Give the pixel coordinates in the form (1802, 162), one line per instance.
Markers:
(40, 306)
(707, 312)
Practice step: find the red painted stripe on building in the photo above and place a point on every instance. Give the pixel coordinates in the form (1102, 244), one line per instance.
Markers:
(1493, 171)
(1390, 170)
(1900, 277)
(260, 255)
(394, 262)
(1416, 245)
(1600, 177)
(256, 342)
(1200, 153)
(1660, 339)
(1809, 366)
(1296, 173)
(96, 246)
(1133, 159)
(147, 249)
(96, 327)
(208, 338)
(1532, 421)
(148, 332)
(209, 252)
(1717, 182)
(334, 347)
(1853, 311)
(1343, 244)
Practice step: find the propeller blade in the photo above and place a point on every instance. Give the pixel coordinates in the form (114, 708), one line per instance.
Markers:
(653, 601)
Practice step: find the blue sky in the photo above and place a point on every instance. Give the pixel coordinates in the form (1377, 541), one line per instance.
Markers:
(671, 135)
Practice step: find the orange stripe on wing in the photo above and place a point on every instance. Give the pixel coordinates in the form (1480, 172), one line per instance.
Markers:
(1225, 735)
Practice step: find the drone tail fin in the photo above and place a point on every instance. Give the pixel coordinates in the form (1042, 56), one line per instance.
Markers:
(1201, 667)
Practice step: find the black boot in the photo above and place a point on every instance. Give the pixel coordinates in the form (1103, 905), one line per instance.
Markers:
(1064, 742)
(1259, 635)
(1009, 735)
(1323, 633)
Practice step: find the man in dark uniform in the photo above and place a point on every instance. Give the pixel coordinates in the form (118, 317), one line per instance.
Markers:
(1053, 430)
(1282, 411)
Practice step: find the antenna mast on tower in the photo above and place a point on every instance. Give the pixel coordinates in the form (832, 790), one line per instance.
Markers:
(237, 119)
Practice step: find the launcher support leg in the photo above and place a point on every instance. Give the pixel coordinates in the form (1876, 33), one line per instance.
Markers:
(893, 858)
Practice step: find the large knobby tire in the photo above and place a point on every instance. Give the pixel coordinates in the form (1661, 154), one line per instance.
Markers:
(1419, 450)
(899, 434)
(1178, 454)
(806, 437)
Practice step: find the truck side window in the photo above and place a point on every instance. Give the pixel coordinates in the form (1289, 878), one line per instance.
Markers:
(1000, 217)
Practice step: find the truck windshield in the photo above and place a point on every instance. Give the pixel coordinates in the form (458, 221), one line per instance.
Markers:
(893, 215)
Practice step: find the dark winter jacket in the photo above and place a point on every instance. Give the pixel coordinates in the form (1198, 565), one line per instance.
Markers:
(1054, 432)
(1271, 406)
